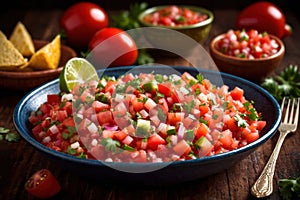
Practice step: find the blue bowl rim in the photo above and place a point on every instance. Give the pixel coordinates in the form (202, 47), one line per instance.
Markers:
(27, 135)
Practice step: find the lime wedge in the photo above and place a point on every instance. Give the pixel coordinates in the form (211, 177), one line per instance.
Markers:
(76, 71)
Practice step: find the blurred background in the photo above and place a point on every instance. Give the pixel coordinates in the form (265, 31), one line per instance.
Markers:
(123, 4)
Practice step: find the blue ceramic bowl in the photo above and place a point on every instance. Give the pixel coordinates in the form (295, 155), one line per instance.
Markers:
(175, 172)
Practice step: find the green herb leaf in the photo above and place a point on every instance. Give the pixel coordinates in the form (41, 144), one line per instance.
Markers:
(129, 19)
(4, 130)
(144, 57)
(287, 83)
(289, 188)
(110, 144)
(12, 137)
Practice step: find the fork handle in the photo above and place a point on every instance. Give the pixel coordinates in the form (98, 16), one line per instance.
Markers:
(263, 186)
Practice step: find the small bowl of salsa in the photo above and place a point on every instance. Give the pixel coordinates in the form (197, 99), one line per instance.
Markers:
(250, 54)
(173, 25)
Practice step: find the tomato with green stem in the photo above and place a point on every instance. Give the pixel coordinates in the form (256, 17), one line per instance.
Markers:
(264, 16)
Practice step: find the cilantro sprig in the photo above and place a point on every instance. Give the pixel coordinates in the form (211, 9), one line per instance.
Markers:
(289, 188)
(287, 83)
(8, 135)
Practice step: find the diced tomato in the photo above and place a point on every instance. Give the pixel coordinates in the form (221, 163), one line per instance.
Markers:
(120, 135)
(182, 148)
(110, 87)
(45, 108)
(249, 135)
(53, 99)
(202, 130)
(154, 140)
(99, 106)
(137, 104)
(226, 139)
(237, 93)
(105, 117)
(164, 89)
(69, 122)
(174, 118)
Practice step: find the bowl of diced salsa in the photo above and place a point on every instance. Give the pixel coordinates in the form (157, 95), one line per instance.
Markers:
(192, 21)
(250, 54)
(165, 125)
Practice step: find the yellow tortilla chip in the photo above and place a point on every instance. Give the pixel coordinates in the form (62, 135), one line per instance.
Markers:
(22, 40)
(48, 56)
(10, 57)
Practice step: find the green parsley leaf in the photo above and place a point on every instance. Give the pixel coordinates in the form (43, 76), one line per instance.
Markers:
(287, 83)
(9, 136)
(4, 130)
(12, 137)
(289, 188)
(110, 144)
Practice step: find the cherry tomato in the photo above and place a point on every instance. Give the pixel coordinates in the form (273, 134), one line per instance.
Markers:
(81, 21)
(263, 16)
(113, 47)
(42, 184)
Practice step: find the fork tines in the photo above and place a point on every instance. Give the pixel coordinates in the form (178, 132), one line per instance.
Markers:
(291, 104)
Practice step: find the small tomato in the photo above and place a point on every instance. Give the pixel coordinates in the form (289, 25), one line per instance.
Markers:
(81, 21)
(42, 184)
(113, 47)
(263, 16)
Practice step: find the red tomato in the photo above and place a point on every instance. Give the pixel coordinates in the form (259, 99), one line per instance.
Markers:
(263, 16)
(113, 47)
(53, 99)
(42, 184)
(81, 21)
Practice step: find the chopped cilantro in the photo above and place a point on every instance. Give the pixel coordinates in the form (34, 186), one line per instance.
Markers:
(110, 144)
(240, 121)
(289, 188)
(9, 136)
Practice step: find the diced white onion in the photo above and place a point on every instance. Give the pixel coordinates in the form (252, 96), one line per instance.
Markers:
(75, 145)
(92, 128)
(47, 139)
(54, 129)
(94, 142)
(127, 140)
(67, 97)
(119, 97)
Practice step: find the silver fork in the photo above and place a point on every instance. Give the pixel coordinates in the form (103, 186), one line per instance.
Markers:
(264, 184)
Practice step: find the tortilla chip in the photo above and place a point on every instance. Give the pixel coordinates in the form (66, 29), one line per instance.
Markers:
(48, 56)
(22, 40)
(10, 57)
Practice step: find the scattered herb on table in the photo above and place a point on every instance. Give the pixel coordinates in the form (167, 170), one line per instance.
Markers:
(8, 135)
(128, 19)
(287, 83)
(289, 188)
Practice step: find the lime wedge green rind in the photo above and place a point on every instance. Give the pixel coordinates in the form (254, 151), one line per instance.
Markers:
(76, 71)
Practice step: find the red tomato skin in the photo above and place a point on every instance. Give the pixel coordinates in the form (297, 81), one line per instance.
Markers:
(113, 47)
(47, 188)
(81, 21)
(263, 16)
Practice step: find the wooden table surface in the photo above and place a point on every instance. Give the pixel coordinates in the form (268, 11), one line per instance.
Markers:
(20, 160)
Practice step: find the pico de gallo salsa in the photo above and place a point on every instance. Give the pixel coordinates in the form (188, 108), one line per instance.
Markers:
(247, 44)
(147, 118)
(175, 16)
